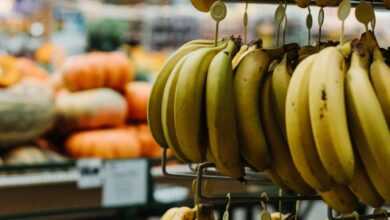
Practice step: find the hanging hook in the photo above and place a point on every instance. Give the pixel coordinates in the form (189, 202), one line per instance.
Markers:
(297, 208)
(285, 22)
(309, 24)
(218, 13)
(245, 21)
(356, 215)
(226, 213)
(321, 17)
(264, 214)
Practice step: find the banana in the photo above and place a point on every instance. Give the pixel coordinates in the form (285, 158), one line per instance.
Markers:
(328, 114)
(170, 214)
(299, 131)
(281, 159)
(302, 3)
(203, 213)
(238, 56)
(323, 3)
(275, 178)
(221, 115)
(167, 111)
(380, 77)
(367, 123)
(155, 99)
(202, 5)
(247, 81)
(280, 80)
(189, 111)
(362, 187)
(341, 199)
(185, 213)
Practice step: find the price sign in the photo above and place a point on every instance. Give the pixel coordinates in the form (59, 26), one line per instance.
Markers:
(90, 173)
(125, 183)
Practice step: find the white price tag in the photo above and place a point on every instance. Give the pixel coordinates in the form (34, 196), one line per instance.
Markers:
(125, 183)
(90, 173)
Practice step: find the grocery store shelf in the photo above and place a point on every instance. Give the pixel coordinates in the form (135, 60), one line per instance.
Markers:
(30, 179)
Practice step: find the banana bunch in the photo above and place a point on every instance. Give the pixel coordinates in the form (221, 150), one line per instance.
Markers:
(315, 119)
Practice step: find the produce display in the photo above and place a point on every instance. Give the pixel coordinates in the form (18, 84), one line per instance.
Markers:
(89, 108)
(312, 117)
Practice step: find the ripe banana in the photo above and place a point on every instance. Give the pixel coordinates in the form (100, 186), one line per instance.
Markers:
(202, 5)
(167, 111)
(362, 187)
(380, 77)
(170, 214)
(275, 178)
(302, 3)
(280, 80)
(155, 99)
(281, 159)
(299, 130)
(185, 213)
(341, 199)
(189, 109)
(368, 126)
(238, 56)
(324, 3)
(328, 114)
(221, 114)
(247, 81)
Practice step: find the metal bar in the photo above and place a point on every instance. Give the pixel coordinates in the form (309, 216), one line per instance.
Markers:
(376, 4)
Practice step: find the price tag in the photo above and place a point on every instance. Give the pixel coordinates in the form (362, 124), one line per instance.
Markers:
(90, 173)
(125, 183)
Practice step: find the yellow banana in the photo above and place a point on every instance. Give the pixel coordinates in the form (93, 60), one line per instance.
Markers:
(170, 214)
(238, 56)
(281, 161)
(185, 213)
(341, 199)
(167, 111)
(253, 146)
(302, 3)
(368, 125)
(362, 187)
(155, 99)
(189, 109)
(280, 80)
(328, 114)
(299, 130)
(275, 178)
(380, 77)
(221, 115)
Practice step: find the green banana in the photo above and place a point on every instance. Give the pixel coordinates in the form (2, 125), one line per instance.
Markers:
(247, 81)
(155, 99)
(221, 115)
(167, 111)
(281, 159)
(189, 109)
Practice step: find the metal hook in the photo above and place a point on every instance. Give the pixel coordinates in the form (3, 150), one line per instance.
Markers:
(264, 200)
(226, 213)
(355, 215)
(297, 207)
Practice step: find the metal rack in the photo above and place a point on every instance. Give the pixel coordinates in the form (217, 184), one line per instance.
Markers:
(206, 171)
(376, 3)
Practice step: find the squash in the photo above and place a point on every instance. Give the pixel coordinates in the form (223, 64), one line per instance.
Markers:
(31, 155)
(106, 143)
(137, 96)
(150, 147)
(88, 109)
(9, 74)
(96, 70)
(31, 70)
(27, 111)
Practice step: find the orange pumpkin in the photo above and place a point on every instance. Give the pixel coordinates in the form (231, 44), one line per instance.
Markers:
(9, 75)
(150, 147)
(107, 144)
(96, 70)
(137, 96)
(31, 70)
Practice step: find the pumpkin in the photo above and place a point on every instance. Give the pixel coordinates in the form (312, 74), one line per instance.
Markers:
(9, 74)
(150, 147)
(31, 70)
(106, 143)
(96, 70)
(137, 96)
(31, 155)
(27, 111)
(88, 109)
